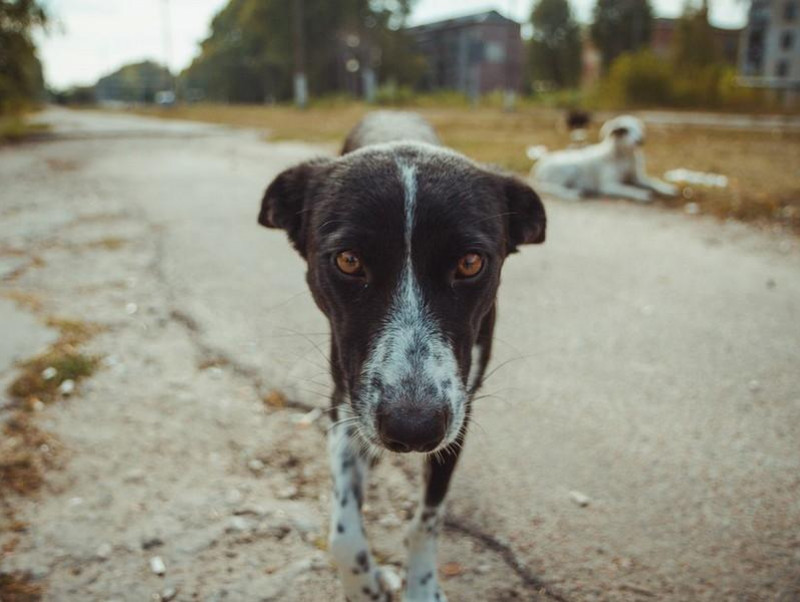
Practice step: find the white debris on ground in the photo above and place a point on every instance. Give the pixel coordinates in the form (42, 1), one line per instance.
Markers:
(157, 565)
(699, 178)
(579, 498)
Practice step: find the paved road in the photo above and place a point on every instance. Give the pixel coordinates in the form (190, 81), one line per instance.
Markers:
(645, 359)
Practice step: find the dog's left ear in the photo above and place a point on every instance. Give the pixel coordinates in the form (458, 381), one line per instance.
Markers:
(526, 218)
(286, 201)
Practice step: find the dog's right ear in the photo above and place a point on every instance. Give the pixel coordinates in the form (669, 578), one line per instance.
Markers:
(286, 202)
(612, 128)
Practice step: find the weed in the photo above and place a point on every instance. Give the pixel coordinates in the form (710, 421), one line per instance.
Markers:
(42, 376)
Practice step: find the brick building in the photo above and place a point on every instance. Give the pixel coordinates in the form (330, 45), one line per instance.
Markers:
(474, 54)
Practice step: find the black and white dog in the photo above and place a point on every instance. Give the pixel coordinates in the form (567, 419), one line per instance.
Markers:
(405, 241)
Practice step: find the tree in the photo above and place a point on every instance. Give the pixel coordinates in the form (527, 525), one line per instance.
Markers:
(249, 55)
(21, 79)
(621, 26)
(554, 50)
(695, 44)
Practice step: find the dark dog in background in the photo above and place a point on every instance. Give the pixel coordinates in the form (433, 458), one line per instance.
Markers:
(405, 241)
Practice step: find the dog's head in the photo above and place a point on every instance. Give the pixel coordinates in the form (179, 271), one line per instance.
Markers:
(625, 131)
(404, 244)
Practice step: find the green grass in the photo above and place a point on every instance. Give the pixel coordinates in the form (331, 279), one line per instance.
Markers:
(15, 128)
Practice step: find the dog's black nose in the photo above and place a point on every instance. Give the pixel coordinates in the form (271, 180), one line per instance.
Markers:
(419, 428)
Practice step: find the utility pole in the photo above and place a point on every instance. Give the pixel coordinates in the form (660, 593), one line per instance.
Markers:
(300, 82)
(167, 41)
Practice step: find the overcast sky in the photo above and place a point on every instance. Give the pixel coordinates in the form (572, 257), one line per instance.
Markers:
(91, 38)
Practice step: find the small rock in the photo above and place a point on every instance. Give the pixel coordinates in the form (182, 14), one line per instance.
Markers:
(237, 524)
(157, 565)
(215, 372)
(771, 284)
(38, 405)
(131, 308)
(482, 569)
(691, 208)
(75, 501)
(579, 498)
(754, 385)
(104, 551)
(49, 373)
(255, 465)
(168, 594)
(67, 387)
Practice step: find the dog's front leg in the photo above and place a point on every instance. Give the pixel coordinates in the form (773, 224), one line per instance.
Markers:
(625, 191)
(422, 584)
(642, 179)
(658, 186)
(360, 576)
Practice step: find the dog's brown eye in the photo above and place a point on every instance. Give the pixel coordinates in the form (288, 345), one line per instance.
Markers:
(470, 265)
(349, 263)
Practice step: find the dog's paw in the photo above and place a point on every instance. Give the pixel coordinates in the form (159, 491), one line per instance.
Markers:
(668, 190)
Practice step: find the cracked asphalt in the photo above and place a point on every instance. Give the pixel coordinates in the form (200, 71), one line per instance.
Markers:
(646, 366)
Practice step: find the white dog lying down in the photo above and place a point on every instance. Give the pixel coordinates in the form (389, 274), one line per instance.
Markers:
(613, 167)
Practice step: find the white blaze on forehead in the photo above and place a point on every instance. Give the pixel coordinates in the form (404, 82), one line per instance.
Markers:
(410, 350)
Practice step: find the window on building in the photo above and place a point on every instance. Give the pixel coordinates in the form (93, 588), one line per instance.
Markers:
(495, 53)
(790, 10)
(787, 40)
(782, 68)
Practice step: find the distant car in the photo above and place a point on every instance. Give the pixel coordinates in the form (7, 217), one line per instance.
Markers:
(165, 98)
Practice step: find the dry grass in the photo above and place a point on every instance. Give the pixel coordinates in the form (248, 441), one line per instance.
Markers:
(109, 243)
(24, 299)
(19, 587)
(25, 453)
(762, 166)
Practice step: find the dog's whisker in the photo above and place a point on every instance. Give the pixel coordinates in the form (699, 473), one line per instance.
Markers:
(505, 363)
(285, 301)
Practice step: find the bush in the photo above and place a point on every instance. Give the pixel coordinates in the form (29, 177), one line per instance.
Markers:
(636, 79)
(644, 80)
(392, 94)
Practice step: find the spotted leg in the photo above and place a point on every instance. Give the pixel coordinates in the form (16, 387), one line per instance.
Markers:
(422, 584)
(360, 576)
